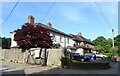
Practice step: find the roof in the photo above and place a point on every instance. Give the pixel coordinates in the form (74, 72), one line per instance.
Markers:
(52, 29)
(81, 39)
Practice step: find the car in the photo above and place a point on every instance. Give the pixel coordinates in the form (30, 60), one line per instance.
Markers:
(100, 55)
(90, 55)
(79, 57)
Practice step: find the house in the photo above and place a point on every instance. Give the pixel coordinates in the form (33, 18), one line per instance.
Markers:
(58, 37)
(82, 45)
(74, 43)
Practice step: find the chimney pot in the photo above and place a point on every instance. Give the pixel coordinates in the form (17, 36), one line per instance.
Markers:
(31, 19)
(79, 33)
(49, 24)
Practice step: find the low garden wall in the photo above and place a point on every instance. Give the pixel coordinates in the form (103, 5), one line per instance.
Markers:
(53, 56)
(13, 54)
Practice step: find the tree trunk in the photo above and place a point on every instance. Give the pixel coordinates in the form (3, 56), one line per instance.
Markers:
(45, 59)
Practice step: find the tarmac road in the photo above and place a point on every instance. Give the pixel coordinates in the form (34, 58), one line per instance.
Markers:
(19, 68)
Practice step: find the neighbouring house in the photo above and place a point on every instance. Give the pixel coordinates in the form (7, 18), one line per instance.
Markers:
(82, 45)
(58, 37)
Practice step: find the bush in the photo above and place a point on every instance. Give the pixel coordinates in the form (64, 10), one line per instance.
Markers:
(65, 62)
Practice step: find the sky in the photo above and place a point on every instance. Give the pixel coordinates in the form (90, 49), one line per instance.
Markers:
(68, 17)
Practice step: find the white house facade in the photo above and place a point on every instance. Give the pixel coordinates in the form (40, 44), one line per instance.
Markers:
(58, 37)
(74, 43)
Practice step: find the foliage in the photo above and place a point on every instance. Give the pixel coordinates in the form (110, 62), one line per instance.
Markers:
(117, 40)
(30, 36)
(65, 61)
(5, 43)
(117, 43)
(108, 54)
(105, 45)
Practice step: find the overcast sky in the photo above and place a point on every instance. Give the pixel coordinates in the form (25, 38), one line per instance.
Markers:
(68, 17)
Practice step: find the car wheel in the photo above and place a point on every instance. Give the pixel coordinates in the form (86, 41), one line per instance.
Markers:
(82, 59)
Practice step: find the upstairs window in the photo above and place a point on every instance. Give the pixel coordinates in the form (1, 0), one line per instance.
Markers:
(60, 39)
(68, 41)
(54, 37)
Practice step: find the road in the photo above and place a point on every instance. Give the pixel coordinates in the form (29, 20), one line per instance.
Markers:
(19, 68)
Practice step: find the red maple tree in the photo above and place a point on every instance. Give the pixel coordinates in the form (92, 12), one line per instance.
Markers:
(30, 36)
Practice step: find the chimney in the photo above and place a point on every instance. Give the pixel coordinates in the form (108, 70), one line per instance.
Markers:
(49, 24)
(79, 33)
(31, 19)
(70, 34)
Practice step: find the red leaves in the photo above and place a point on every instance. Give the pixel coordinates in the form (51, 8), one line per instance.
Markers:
(31, 36)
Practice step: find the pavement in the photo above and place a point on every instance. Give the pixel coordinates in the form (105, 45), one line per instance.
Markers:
(19, 68)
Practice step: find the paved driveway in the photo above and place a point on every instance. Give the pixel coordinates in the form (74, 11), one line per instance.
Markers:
(18, 68)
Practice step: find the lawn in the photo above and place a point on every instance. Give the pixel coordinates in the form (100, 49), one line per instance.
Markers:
(110, 54)
(74, 61)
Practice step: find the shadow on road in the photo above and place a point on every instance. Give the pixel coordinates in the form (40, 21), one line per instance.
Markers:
(67, 72)
(14, 73)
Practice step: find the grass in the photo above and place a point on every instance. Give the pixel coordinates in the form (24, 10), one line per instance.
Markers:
(74, 61)
(2, 60)
(108, 54)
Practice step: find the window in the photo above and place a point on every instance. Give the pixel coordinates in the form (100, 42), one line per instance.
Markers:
(68, 41)
(60, 39)
(54, 37)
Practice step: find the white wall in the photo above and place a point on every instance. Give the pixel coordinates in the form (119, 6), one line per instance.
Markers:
(63, 42)
(64, 39)
(13, 43)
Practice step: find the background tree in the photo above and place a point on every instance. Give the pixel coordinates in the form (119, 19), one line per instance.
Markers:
(105, 45)
(100, 44)
(5, 43)
(1, 42)
(117, 44)
(30, 36)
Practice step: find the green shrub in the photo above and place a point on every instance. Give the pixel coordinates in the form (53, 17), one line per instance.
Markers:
(65, 61)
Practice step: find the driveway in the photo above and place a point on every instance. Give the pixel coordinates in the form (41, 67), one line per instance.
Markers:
(19, 68)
